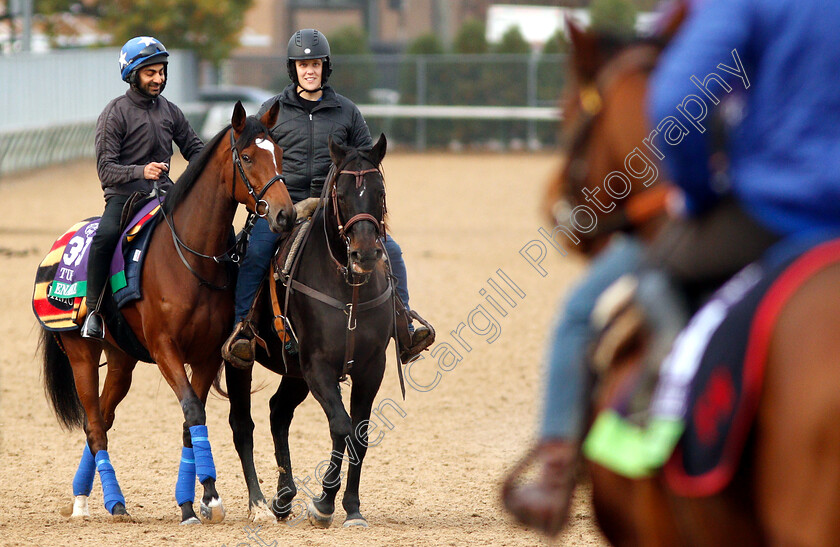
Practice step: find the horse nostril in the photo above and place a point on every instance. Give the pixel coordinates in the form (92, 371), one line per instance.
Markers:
(355, 256)
(378, 254)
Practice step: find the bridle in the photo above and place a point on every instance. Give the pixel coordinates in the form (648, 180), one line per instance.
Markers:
(235, 252)
(258, 200)
(344, 227)
(633, 59)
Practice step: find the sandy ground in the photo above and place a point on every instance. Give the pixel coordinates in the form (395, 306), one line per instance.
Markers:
(434, 477)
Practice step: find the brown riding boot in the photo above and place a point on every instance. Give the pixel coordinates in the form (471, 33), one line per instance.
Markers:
(241, 346)
(544, 503)
(412, 342)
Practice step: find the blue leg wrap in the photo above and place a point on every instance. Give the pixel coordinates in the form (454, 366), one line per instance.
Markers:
(110, 487)
(204, 466)
(83, 481)
(185, 487)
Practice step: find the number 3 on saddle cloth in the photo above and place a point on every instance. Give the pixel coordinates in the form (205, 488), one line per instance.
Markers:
(61, 281)
(709, 386)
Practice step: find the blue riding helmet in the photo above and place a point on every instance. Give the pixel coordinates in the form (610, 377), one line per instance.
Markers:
(139, 52)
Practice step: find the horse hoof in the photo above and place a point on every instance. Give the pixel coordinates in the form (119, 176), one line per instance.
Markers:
(77, 510)
(356, 523)
(214, 512)
(190, 521)
(317, 518)
(261, 513)
(119, 514)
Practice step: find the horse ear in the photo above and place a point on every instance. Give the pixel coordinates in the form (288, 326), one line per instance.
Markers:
(378, 150)
(238, 118)
(337, 153)
(673, 19)
(585, 52)
(270, 118)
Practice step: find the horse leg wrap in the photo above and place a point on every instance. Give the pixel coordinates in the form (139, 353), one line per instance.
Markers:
(110, 487)
(185, 487)
(83, 480)
(204, 466)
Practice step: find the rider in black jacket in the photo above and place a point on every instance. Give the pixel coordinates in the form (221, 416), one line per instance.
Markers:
(310, 113)
(134, 136)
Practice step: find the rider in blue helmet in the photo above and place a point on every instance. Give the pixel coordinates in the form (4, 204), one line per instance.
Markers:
(134, 136)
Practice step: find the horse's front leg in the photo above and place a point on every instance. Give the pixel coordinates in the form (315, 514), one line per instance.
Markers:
(196, 454)
(242, 426)
(365, 387)
(290, 394)
(323, 383)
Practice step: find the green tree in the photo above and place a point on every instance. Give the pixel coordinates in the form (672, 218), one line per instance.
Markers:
(616, 17)
(208, 27)
(512, 42)
(556, 44)
(471, 38)
(427, 44)
(353, 73)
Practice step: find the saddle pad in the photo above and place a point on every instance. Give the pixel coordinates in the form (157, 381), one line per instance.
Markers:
(55, 313)
(720, 402)
(61, 278)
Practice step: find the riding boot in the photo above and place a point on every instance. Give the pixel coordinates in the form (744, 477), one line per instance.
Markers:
(240, 349)
(412, 340)
(92, 327)
(544, 503)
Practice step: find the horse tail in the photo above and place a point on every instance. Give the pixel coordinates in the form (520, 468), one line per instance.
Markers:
(217, 384)
(59, 383)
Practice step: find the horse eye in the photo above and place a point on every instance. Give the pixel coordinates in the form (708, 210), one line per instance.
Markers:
(246, 157)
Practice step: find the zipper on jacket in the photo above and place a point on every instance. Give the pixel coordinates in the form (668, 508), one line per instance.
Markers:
(310, 160)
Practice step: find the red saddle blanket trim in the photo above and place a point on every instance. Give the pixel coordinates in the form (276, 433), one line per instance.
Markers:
(755, 360)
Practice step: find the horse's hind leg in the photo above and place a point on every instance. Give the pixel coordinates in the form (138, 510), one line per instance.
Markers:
(196, 440)
(290, 394)
(84, 357)
(365, 387)
(325, 389)
(117, 383)
(242, 426)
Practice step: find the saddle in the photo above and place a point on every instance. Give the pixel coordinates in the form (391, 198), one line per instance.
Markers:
(711, 381)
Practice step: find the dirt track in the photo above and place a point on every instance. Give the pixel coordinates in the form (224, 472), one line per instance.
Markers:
(432, 480)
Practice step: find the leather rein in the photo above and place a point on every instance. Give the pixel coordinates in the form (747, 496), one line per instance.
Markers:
(236, 251)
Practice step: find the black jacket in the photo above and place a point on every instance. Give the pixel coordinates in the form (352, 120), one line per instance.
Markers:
(303, 137)
(134, 130)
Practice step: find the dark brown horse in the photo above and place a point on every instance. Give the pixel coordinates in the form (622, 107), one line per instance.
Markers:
(786, 489)
(340, 302)
(183, 316)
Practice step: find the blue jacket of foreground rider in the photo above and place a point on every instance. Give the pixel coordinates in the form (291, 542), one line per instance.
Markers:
(785, 152)
(303, 137)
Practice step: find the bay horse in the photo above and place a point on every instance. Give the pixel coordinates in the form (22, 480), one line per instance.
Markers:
(339, 299)
(786, 487)
(183, 316)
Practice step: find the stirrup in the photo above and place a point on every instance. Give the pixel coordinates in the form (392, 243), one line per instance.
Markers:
(421, 339)
(92, 327)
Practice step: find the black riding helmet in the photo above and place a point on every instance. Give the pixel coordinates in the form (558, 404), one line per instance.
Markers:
(309, 43)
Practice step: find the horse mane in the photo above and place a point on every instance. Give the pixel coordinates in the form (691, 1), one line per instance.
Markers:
(186, 181)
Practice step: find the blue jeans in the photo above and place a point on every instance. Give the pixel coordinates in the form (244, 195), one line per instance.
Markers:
(565, 398)
(254, 267)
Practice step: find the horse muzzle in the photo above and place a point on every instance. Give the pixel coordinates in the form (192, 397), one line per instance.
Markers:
(364, 261)
(283, 220)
